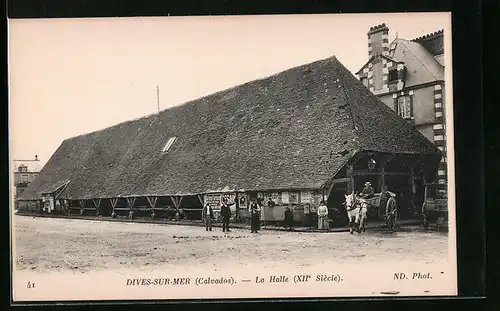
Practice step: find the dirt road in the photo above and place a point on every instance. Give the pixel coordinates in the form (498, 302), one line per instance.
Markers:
(44, 244)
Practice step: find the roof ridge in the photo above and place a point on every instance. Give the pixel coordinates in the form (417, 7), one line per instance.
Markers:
(195, 100)
(333, 57)
(429, 35)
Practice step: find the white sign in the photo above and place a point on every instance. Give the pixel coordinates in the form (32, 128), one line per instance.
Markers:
(284, 198)
(305, 197)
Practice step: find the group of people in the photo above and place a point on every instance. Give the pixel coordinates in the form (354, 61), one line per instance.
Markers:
(313, 215)
(317, 217)
(225, 211)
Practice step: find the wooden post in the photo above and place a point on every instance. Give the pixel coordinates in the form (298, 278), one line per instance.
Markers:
(177, 201)
(130, 203)
(413, 190)
(349, 174)
(152, 201)
(113, 202)
(383, 173)
(97, 203)
(382, 176)
(152, 204)
(82, 205)
(174, 200)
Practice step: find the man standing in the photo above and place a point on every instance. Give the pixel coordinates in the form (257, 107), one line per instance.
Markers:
(384, 197)
(313, 217)
(207, 216)
(288, 219)
(307, 215)
(226, 216)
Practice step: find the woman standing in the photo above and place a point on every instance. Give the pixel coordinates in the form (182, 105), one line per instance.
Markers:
(288, 219)
(255, 217)
(323, 216)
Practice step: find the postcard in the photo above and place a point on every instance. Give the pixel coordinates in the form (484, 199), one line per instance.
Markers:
(272, 156)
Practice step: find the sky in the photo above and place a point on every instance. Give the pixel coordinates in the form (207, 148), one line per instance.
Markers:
(69, 77)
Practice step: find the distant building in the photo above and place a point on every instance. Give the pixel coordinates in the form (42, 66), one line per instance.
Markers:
(25, 171)
(408, 76)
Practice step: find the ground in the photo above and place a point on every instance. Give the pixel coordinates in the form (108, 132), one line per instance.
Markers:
(49, 244)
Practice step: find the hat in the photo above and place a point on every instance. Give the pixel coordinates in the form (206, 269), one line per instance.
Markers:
(367, 183)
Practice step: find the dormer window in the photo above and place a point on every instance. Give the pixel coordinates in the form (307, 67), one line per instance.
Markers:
(169, 144)
(393, 76)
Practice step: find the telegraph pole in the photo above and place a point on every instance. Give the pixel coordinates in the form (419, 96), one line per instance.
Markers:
(158, 97)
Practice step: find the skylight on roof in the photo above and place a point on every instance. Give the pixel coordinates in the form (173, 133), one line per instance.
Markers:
(169, 144)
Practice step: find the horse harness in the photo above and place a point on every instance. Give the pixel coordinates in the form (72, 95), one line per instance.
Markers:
(353, 206)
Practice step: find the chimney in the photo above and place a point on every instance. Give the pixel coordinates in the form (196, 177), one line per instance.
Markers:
(36, 157)
(378, 40)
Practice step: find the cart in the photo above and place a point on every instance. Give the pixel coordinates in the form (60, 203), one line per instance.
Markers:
(434, 208)
(389, 212)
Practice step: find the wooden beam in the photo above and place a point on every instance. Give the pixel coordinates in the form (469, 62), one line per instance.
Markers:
(334, 182)
(97, 202)
(152, 201)
(113, 202)
(382, 176)
(175, 200)
(180, 201)
(200, 198)
(368, 173)
(60, 191)
(341, 180)
(131, 201)
(349, 173)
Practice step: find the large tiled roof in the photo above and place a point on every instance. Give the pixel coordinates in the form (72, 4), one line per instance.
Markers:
(293, 130)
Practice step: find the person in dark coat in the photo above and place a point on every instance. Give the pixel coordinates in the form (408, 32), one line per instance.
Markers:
(208, 216)
(384, 197)
(288, 219)
(368, 191)
(225, 212)
(254, 216)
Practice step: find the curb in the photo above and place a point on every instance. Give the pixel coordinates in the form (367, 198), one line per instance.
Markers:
(195, 223)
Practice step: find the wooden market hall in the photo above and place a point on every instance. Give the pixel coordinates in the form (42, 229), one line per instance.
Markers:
(307, 134)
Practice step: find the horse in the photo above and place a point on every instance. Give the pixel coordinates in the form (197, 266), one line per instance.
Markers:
(356, 212)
